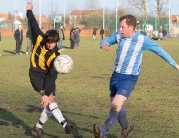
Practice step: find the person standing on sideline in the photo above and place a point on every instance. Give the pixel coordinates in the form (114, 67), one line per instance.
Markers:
(42, 72)
(94, 33)
(29, 42)
(0, 36)
(18, 36)
(72, 38)
(164, 32)
(77, 38)
(0, 39)
(131, 46)
(62, 37)
(102, 33)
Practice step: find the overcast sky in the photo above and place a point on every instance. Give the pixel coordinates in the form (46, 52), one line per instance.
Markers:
(20, 5)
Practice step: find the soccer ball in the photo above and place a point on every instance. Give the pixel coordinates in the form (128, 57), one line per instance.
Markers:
(63, 64)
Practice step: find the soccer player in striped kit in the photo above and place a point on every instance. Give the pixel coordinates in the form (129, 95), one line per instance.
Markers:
(131, 46)
(42, 72)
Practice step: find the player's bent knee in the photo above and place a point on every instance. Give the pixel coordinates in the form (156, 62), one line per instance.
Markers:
(53, 106)
(113, 107)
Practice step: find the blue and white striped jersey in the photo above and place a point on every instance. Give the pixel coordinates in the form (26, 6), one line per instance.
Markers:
(130, 50)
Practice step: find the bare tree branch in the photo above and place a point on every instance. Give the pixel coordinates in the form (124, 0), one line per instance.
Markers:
(70, 6)
(159, 7)
(91, 5)
(141, 5)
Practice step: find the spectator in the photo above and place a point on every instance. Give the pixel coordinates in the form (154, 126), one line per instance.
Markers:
(62, 37)
(94, 33)
(171, 31)
(145, 26)
(72, 38)
(77, 37)
(164, 32)
(0, 39)
(151, 34)
(155, 35)
(160, 35)
(18, 35)
(29, 42)
(102, 33)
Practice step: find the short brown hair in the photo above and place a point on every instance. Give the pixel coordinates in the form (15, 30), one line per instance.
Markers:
(50, 36)
(130, 19)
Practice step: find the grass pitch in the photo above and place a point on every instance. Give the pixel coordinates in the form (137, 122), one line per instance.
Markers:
(83, 94)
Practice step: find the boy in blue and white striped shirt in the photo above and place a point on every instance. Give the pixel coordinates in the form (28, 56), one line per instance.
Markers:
(131, 46)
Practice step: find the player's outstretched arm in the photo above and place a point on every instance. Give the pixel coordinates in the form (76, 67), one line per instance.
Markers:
(34, 29)
(105, 47)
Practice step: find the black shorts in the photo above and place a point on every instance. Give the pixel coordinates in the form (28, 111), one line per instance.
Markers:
(37, 80)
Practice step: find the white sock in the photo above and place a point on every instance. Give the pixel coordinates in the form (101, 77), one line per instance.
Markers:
(64, 125)
(56, 112)
(43, 117)
(48, 112)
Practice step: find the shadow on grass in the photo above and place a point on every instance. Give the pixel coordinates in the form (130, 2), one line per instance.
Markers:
(32, 109)
(8, 118)
(7, 51)
(66, 47)
(77, 128)
(75, 134)
(13, 52)
(111, 136)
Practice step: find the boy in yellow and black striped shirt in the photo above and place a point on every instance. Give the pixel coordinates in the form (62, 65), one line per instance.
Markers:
(42, 72)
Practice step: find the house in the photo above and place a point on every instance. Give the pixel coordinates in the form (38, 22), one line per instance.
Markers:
(2, 19)
(17, 23)
(7, 22)
(4, 15)
(174, 19)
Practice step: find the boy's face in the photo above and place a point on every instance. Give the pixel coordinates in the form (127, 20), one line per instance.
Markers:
(51, 45)
(125, 29)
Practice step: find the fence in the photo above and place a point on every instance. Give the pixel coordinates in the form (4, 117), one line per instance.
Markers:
(87, 23)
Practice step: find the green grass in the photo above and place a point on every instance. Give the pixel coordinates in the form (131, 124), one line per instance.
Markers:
(83, 94)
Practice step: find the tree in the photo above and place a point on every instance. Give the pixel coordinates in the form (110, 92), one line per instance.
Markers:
(54, 8)
(159, 7)
(70, 6)
(91, 5)
(141, 6)
(10, 16)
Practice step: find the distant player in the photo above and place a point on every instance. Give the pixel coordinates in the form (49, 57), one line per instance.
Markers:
(94, 33)
(42, 72)
(131, 46)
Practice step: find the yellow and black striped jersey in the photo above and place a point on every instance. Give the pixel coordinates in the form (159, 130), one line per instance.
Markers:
(42, 57)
